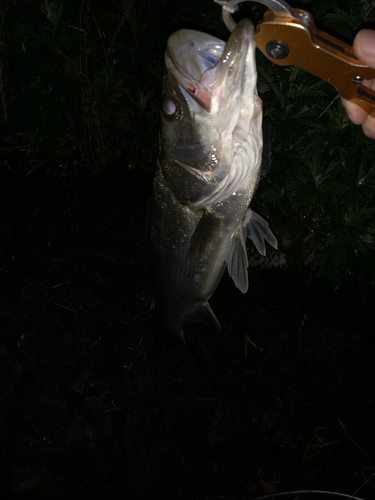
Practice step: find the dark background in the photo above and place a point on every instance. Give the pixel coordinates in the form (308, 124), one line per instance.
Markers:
(282, 398)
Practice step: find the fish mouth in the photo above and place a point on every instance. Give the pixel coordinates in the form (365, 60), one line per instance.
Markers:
(218, 81)
(210, 70)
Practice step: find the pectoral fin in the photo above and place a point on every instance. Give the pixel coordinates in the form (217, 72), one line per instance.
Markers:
(237, 261)
(204, 235)
(258, 230)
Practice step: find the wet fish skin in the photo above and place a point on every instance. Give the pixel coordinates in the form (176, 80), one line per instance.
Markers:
(207, 172)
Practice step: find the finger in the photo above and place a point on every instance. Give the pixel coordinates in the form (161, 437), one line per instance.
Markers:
(369, 127)
(364, 47)
(357, 114)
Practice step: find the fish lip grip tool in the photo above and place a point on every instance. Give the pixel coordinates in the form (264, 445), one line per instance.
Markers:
(289, 36)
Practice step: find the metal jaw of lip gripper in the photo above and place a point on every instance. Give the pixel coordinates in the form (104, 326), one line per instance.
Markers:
(290, 37)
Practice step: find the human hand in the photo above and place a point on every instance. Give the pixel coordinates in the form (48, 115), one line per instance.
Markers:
(364, 49)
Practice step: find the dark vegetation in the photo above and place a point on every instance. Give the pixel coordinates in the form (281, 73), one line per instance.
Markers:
(283, 397)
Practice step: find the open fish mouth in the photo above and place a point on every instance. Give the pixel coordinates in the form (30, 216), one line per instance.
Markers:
(218, 81)
(210, 70)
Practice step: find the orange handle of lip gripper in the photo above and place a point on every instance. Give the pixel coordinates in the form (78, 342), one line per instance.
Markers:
(317, 52)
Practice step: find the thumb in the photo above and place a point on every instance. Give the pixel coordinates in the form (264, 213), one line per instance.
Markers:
(364, 47)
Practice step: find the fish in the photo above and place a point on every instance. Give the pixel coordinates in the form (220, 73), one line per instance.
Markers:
(207, 171)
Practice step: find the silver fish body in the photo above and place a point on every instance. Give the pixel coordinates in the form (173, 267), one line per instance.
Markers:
(207, 172)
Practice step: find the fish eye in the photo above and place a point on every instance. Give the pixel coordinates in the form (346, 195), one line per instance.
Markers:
(169, 108)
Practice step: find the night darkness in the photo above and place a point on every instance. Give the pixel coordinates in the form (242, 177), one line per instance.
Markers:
(283, 397)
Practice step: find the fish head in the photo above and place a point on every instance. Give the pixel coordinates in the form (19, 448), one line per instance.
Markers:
(211, 139)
